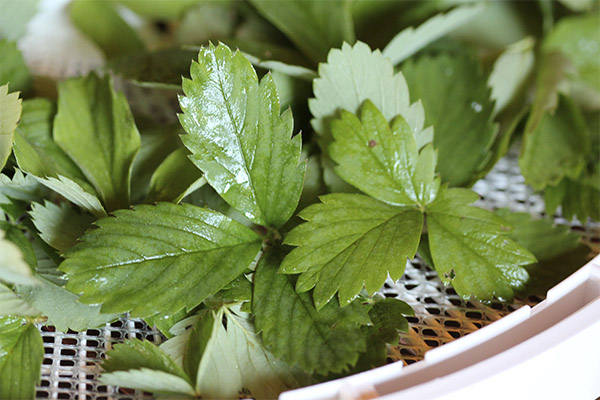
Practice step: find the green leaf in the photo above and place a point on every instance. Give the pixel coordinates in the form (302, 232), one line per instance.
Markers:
(59, 225)
(17, 259)
(159, 9)
(21, 355)
(578, 198)
(14, 17)
(127, 263)
(313, 26)
(578, 5)
(235, 359)
(559, 250)
(383, 160)
(328, 340)
(354, 74)
(35, 150)
(10, 112)
(12, 304)
(100, 21)
(556, 147)
(174, 178)
(20, 187)
(351, 241)
(470, 248)
(73, 192)
(142, 365)
(238, 138)
(511, 73)
(293, 71)
(63, 309)
(94, 126)
(411, 40)
(457, 103)
(13, 70)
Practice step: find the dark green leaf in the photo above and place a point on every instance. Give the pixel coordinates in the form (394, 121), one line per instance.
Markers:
(382, 160)
(174, 178)
(470, 248)
(128, 262)
(313, 26)
(21, 355)
(457, 103)
(238, 138)
(351, 241)
(95, 128)
(328, 340)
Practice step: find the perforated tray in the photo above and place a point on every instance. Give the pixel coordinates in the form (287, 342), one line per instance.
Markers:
(71, 364)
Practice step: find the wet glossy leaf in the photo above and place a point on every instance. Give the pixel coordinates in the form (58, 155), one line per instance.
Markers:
(328, 340)
(470, 248)
(128, 261)
(238, 137)
(350, 241)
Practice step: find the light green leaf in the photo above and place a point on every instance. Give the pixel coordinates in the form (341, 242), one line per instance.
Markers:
(351, 241)
(457, 103)
(313, 26)
(35, 150)
(324, 341)
(159, 9)
(511, 73)
(354, 74)
(21, 355)
(411, 40)
(12, 304)
(63, 309)
(59, 225)
(17, 258)
(174, 178)
(100, 21)
(556, 148)
(578, 5)
(14, 17)
(20, 187)
(383, 160)
(73, 192)
(10, 112)
(142, 365)
(294, 71)
(235, 359)
(94, 126)
(559, 250)
(128, 261)
(13, 70)
(470, 248)
(238, 138)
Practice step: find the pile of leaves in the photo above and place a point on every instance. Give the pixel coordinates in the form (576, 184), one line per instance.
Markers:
(299, 168)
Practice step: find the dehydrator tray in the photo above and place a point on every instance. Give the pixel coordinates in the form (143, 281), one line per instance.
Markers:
(71, 364)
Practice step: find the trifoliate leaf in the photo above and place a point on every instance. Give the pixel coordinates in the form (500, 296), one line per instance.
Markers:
(457, 103)
(18, 259)
(411, 40)
(59, 225)
(94, 126)
(12, 304)
(174, 178)
(383, 160)
(354, 74)
(127, 262)
(470, 248)
(101, 22)
(556, 148)
(13, 70)
(21, 355)
(35, 150)
(559, 251)
(10, 112)
(73, 192)
(234, 361)
(511, 73)
(63, 309)
(313, 26)
(351, 241)
(238, 138)
(328, 340)
(142, 365)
